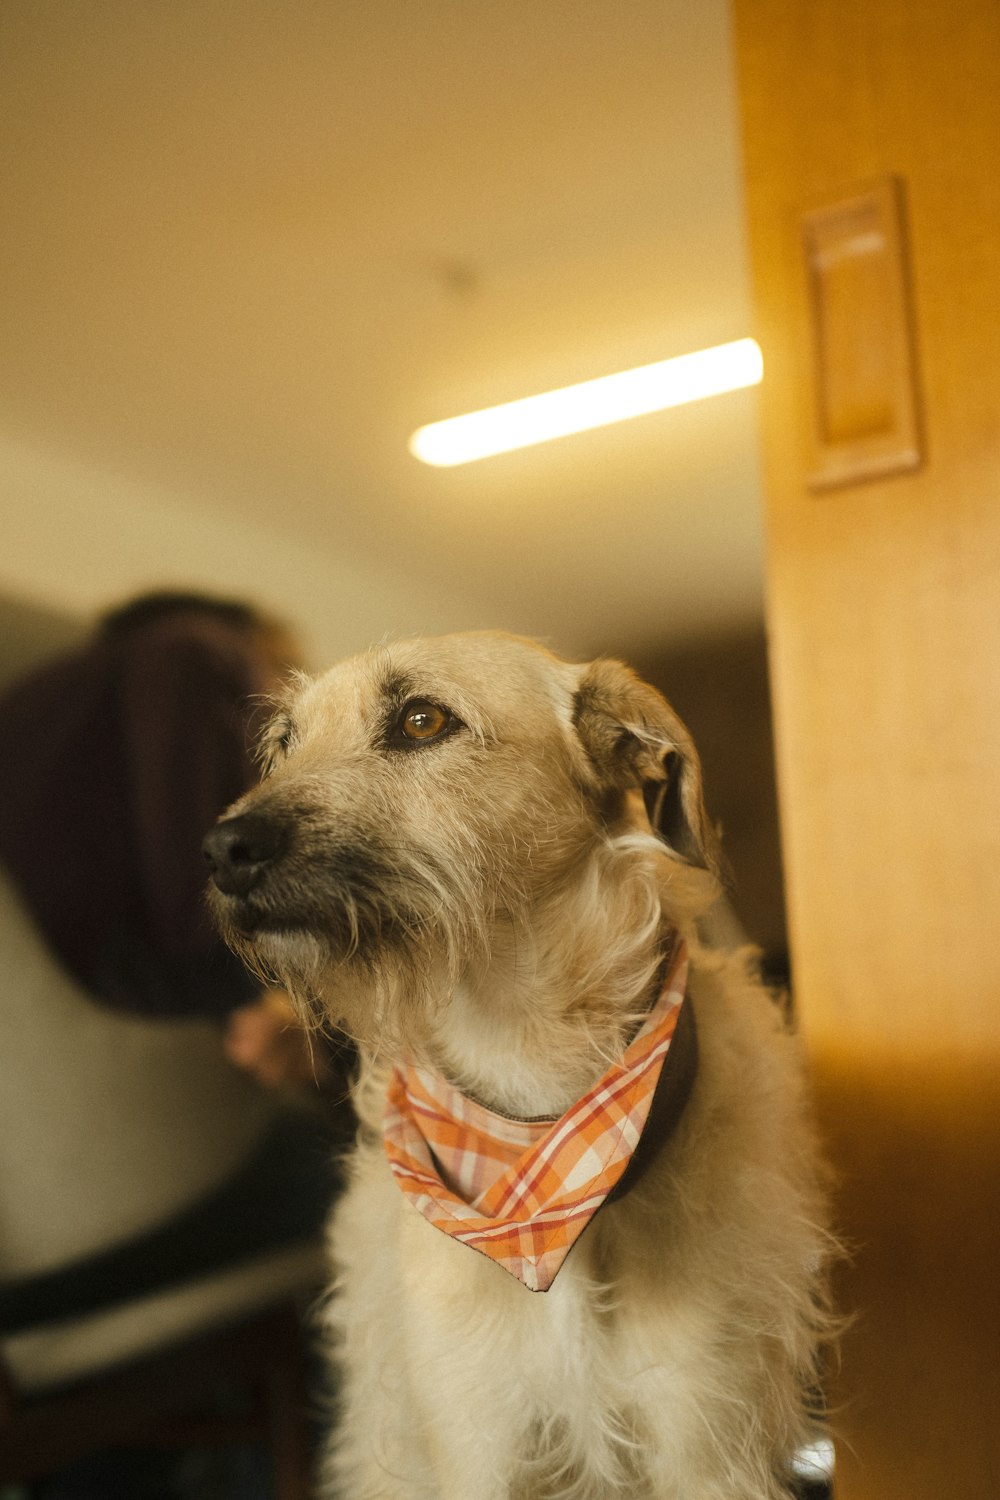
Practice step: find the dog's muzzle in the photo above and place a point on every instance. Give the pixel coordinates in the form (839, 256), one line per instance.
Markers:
(240, 851)
(278, 869)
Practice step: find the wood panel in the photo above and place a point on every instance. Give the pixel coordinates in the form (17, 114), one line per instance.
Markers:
(884, 619)
(864, 379)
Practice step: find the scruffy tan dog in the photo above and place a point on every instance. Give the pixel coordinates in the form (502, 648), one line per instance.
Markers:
(581, 1249)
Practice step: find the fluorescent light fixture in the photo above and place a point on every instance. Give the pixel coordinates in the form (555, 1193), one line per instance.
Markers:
(592, 403)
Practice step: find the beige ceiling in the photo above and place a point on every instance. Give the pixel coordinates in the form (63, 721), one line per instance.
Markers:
(247, 247)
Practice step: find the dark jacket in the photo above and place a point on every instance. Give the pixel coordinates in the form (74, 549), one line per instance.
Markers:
(114, 763)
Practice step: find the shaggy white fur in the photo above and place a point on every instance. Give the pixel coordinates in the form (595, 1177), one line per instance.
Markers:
(471, 854)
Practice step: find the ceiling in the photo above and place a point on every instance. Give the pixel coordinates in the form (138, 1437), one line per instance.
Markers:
(248, 247)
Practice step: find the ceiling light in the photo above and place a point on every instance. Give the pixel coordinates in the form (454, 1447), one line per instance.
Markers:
(592, 403)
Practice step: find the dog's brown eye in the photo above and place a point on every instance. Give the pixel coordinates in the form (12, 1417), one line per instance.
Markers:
(422, 721)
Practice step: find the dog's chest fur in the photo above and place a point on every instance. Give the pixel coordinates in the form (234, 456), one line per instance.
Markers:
(619, 1380)
(571, 1383)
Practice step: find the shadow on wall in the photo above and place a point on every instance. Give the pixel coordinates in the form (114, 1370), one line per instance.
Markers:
(29, 634)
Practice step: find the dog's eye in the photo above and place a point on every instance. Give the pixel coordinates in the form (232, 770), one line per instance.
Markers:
(422, 721)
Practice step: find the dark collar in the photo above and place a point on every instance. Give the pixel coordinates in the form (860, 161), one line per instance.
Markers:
(673, 1090)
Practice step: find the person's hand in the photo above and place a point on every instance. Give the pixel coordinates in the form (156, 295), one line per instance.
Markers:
(267, 1038)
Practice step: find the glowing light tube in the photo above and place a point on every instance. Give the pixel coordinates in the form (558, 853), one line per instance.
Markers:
(592, 403)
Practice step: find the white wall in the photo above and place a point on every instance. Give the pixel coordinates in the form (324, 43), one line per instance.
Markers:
(76, 540)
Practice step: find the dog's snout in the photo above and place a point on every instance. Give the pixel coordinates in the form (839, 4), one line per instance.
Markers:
(239, 850)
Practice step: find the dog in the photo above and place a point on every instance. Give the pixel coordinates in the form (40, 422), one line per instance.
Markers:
(565, 1268)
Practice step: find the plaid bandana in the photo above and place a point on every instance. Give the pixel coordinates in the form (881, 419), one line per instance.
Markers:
(523, 1191)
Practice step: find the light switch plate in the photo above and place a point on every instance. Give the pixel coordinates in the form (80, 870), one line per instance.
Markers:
(866, 410)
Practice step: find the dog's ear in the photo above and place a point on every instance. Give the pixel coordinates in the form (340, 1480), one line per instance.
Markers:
(635, 741)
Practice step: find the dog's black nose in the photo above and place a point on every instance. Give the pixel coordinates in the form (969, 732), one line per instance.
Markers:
(239, 850)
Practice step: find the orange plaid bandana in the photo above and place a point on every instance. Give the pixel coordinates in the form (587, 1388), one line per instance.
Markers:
(523, 1191)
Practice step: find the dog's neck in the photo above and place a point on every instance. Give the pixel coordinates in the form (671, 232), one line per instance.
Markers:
(535, 1071)
(531, 1030)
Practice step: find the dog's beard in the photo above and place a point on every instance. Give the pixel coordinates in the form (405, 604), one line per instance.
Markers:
(365, 939)
(375, 941)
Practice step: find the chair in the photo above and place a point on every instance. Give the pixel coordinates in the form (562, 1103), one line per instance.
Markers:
(169, 1401)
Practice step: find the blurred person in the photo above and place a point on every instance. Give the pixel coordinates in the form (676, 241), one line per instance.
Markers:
(114, 761)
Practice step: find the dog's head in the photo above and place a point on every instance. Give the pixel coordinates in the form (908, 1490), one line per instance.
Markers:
(426, 802)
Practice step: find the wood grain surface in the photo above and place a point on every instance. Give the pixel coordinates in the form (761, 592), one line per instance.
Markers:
(884, 620)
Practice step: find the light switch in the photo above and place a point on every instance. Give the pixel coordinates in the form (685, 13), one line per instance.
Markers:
(866, 416)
